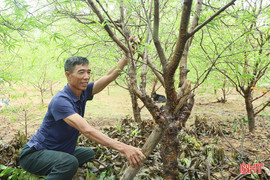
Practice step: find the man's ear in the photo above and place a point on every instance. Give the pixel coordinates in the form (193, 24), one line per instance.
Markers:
(67, 74)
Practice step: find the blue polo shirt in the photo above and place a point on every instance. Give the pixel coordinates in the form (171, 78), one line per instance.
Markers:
(54, 133)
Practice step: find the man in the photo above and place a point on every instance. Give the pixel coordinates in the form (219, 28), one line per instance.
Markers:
(52, 150)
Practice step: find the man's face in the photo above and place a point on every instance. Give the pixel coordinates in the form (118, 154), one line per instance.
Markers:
(79, 78)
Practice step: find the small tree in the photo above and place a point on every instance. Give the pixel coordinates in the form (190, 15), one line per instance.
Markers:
(246, 62)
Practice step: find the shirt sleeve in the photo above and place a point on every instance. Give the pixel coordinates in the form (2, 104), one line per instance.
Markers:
(62, 108)
(89, 91)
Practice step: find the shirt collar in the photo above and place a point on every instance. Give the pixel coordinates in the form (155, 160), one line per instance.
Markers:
(72, 94)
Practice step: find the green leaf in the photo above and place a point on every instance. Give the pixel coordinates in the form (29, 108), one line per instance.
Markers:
(57, 36)
(102, 175)
(3, 167)
(7, 171)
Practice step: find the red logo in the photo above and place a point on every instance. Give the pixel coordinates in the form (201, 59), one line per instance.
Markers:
(247, 168)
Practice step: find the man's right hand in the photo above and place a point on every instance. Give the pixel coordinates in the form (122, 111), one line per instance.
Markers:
(134, 41)
(134, 155)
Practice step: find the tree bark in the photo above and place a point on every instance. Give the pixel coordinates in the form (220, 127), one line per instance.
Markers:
(169, 152)
(250, 111)
(170, 142)
(183, 62)
(135, 106)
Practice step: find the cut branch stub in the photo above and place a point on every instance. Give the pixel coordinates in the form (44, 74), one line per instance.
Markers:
(183, 95)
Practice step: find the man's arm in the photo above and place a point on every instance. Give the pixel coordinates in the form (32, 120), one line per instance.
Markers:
(133, 154)
(101, 83)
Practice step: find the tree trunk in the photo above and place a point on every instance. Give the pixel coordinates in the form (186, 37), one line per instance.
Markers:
(42, 95)
(169, 153)
(135, 106)
(250, 111)
(170, 141)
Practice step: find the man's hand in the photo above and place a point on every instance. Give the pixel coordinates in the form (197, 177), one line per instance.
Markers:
(134, 41)
(134, 155)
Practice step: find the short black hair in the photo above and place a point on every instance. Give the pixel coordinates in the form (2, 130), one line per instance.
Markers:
(73, 61)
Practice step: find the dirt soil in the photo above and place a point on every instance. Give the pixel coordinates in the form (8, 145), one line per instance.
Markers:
(113, 104)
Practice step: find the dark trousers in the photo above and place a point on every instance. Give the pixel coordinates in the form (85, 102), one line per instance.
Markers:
(55, 165)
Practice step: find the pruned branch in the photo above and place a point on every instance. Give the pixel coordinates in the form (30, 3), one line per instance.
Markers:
(147, 149)
(183, 95)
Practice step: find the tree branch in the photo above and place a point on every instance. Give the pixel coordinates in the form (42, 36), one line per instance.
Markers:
(157, 43)
(91, 4)
(178, 52)
(156, 72)
(183, 62)
(264, 106)
(111, 19)
(212, 17)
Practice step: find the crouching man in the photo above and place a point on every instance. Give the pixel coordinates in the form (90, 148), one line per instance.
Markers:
(52, 150)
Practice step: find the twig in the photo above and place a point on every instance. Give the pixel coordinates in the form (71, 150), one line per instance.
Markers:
(212, 17)
(264, 106)
(120, 85)
(230, 143)
(240, 176)
(221, 169)
(91, 4)
(267, 171)
(111, 19)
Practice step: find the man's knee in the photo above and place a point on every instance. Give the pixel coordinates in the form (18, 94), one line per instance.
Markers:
(69, 164)
(64, 169)
(91, 153)
(84, 154)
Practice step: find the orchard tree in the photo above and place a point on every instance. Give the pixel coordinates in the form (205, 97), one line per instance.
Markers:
(168, 48)
(40, 64)
(11, 27)
(18, 21)
(246, 63)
